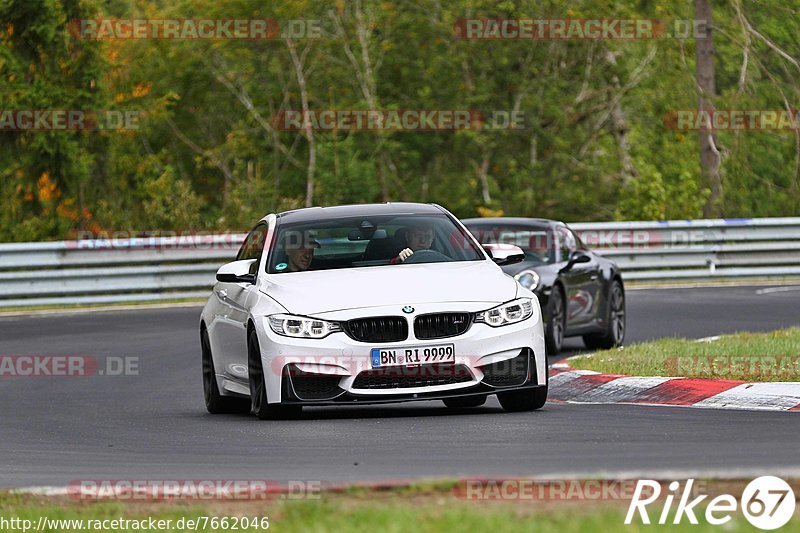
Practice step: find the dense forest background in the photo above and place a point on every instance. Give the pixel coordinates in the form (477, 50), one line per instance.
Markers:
(206, 154)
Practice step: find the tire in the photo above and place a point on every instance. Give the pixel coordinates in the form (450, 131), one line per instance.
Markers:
(216, 403)
(465, 402)
(523, 400)
(259, 406)
(614, 335)
(557, 325)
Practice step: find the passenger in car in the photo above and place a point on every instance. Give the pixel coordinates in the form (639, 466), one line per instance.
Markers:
(539, 245)
(418, 237)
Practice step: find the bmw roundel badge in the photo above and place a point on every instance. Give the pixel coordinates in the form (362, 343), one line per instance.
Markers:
(408, 309)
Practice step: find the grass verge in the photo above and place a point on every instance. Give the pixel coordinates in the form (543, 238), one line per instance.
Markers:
(772, 356)
(432, 508)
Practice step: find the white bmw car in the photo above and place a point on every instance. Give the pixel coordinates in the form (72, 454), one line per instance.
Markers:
(369, 304)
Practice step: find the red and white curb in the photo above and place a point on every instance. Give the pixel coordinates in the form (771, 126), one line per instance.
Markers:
(587, 386)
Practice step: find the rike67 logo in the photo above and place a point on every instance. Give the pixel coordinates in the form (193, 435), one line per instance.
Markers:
(767, 502)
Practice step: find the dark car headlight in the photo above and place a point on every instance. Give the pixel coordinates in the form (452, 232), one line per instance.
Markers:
(528, 279)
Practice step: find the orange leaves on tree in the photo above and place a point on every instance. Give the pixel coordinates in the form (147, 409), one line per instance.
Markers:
(484, 212)
(47, 189)
(65, 210)
(142, 89)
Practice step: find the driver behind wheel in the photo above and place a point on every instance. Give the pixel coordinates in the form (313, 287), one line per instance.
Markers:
(300, 254)
(418, 237)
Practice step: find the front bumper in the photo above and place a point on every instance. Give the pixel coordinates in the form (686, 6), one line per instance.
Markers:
(338, 370)
(358, 399)
(512, 374)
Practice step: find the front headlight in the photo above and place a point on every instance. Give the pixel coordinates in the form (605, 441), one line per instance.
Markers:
(528, 279)
(507, 313)
(302, 327)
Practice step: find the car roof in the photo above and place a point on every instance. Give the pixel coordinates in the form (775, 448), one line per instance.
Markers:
(309, 214)
(511, 221)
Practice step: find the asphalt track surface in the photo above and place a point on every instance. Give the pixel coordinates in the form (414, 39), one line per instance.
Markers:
(154, 425)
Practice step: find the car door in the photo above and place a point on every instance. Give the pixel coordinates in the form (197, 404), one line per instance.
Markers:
(580, 280)
(231, 331)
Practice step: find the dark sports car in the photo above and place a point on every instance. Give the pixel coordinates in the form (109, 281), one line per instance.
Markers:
(580, 292)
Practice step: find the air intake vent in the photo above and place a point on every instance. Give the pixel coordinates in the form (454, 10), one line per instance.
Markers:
(310, 386)
(508, 373)
(409, 377)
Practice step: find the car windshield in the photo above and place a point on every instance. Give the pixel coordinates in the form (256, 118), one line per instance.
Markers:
(369, 241)
(538, 243)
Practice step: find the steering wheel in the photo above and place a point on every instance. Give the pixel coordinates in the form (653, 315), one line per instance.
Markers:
(427, 256)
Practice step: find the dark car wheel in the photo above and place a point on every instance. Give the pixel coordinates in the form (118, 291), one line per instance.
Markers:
(215, 402)
(614, 335)
(523, 400)
(464, 403)
(554, 335)
(258, 389)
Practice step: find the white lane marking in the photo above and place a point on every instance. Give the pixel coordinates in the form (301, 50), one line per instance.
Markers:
(776, 396)
(104, 309)
(620, 390)
(732, 473)
(741, 284)
(708, 339)
(42, 491)
(778, 289)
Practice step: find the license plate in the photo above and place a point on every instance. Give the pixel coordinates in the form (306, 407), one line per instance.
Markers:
(417, 355)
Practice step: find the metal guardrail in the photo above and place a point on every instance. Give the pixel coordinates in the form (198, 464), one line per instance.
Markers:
(699, 249)
(131, 270)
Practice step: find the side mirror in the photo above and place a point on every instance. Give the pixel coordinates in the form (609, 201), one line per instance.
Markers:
(576, 258)
(504, 254)
(237, 272)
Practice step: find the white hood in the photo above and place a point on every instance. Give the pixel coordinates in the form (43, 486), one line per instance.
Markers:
(314, 292)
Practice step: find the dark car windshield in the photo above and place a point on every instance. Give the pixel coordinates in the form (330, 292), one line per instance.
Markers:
(538, 243)
(369, 241)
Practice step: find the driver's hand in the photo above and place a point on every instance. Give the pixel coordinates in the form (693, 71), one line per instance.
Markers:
(405, 254)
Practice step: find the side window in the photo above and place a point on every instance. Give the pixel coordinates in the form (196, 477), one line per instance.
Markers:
(253, 246)
(566, 243)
